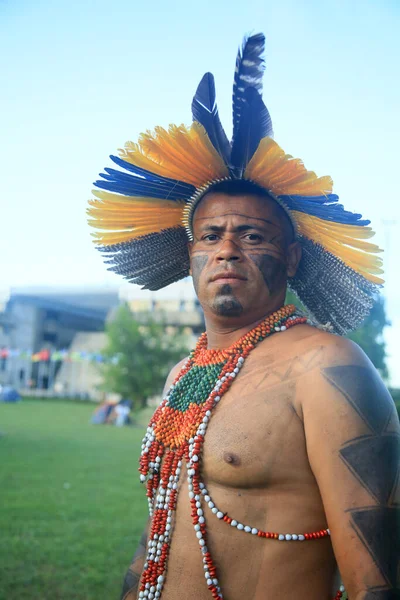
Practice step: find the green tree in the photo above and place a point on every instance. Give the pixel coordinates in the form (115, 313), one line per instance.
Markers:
(139, 356)
(369, 336)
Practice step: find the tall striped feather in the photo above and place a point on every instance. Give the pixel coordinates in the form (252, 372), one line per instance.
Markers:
(249, 70)
(254, 124)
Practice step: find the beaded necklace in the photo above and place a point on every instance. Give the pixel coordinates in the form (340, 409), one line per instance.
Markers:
(176, 433)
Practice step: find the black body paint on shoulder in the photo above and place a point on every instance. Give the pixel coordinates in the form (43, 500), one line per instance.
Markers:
(366, 393)
(374, 460)
(379, 477)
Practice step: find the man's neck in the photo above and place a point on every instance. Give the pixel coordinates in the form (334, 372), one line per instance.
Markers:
(223, 333)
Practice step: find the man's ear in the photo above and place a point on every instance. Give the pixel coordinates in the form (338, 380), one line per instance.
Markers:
(293, 257)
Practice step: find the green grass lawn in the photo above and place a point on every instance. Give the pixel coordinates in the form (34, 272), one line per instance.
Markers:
(71, 507)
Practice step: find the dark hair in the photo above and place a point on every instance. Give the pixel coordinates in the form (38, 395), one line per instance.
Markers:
(239, 187)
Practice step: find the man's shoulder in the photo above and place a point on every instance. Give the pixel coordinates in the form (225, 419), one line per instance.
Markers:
(174, 372)
(343, 372)
(177, 368)
(315, 356)
(312, 346)
(340, 350)
(335, 349)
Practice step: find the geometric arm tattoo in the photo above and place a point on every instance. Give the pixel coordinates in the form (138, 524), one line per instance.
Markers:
(132, 577)
(374, 460)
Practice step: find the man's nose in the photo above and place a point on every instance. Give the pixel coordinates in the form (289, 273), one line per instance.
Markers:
(228, 251)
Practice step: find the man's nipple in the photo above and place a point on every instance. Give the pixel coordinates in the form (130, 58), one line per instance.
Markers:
(232, 459)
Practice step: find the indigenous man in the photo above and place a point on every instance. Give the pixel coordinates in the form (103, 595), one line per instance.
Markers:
(272, 463)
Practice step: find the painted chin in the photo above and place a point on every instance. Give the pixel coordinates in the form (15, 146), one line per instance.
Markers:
(225, 303)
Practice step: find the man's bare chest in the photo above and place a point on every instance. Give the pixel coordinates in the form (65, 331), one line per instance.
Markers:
(255, 439)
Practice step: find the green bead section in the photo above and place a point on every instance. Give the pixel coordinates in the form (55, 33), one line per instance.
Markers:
(195, 386)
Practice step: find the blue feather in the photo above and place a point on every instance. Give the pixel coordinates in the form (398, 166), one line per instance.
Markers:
(149, 175)
(205, 112)
(255, 124)
(139, 187)
(142, 183)
(174, 188)
(324, 207)
(327, 199)
(249, 71)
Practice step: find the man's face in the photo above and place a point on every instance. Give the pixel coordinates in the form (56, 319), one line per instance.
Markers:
(241, 255)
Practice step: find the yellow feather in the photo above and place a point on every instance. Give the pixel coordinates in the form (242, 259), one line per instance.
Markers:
(124, 210)
(116, 237)
(123, 218)
(116, 224)
(362, 259)
(343, 241)
(351, 230)
(109, 197)
(187, 154)
(360, 244)
(373, 279)
(179, 153)
(338, 232)
(282, 174)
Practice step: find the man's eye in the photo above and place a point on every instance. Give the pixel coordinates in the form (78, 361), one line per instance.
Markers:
(253, 237)
(210, 237)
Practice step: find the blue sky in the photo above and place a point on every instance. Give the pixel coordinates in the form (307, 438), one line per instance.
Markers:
(81, 78)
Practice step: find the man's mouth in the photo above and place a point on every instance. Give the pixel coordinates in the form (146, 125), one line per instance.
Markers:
(227, 277)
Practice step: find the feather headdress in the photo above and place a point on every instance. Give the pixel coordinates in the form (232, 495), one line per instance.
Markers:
(143, 213)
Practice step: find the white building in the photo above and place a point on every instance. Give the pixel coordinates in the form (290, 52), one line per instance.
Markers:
(33, 320)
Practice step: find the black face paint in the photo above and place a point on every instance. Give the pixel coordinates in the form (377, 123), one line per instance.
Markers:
(272, 270)
(225, 303)
(198, 263)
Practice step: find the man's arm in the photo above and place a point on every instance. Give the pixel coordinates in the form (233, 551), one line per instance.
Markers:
(353, 443)
(132, 577)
